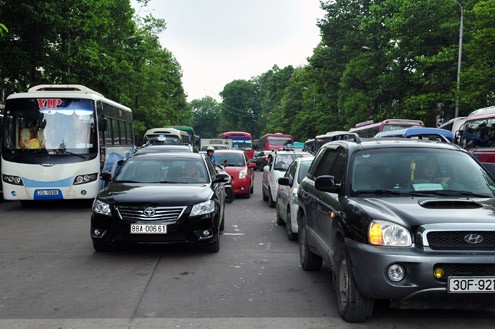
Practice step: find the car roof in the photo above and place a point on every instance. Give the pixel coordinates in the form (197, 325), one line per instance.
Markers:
(229, 151)
(413, 131)
(171, 155)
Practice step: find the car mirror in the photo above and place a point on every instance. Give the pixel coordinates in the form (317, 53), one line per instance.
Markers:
(285, 181)
(106, 176)
(221, 178)
(326, 183)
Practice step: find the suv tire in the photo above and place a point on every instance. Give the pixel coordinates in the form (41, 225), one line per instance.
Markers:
(288, 226)
(309, 260)
(353, 306)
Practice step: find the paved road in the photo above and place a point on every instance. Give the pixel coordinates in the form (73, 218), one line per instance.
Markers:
(51, 278)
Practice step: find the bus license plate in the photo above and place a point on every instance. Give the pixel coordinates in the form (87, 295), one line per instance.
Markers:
(148, 229)
(47, 192)
(467, 284)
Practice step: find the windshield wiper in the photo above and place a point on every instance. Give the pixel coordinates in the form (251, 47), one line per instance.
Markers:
(64, 151)
(450, 193)
(384, 192)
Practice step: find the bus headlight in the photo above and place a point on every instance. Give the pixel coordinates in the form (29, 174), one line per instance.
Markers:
(83, 179)
(102, 208)
(14, 180)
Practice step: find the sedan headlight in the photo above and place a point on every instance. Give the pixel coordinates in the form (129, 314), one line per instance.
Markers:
(203, 208)
(102, 208)
(382, 233)
(243, 174)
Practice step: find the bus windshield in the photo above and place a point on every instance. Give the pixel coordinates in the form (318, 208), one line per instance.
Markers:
(241, 144)
(68, 125)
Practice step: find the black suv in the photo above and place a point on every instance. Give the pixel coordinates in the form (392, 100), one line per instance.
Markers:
(398, 220)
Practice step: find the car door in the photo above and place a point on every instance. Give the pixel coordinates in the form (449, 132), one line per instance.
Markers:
(284, 192)
(328, 208)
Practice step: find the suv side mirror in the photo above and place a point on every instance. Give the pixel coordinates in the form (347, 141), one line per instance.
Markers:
(326, 183)
(221, 178)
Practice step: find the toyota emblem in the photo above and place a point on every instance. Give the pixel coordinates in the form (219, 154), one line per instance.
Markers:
(473, 238)
(149, 212)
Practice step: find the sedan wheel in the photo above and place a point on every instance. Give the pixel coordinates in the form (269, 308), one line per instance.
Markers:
(288, 226)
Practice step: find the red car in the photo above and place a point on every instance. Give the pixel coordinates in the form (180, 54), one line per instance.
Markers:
(236, 164)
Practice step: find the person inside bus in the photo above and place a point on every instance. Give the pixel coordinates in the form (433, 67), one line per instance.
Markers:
(210, 153)
(31, 137)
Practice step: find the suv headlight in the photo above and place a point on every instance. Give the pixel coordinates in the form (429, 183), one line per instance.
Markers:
(102, 208)
(203, 208)
(243, 174)
(382, 233)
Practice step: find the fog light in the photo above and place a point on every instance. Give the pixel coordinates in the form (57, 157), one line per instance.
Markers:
(242, 188)
(396, 272)
(96, 232)
(206, 233)
(83, 192)
(438, 273)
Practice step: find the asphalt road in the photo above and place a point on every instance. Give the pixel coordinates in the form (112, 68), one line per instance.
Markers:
(50, 277)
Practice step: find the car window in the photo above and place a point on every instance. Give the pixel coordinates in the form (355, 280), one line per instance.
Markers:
(327, 161)
(291, 172)
(282, 161)
(231, 159)
(303, 170)
(419, 170)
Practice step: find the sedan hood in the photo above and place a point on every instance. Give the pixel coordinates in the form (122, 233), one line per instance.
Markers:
(156, 194)
(422, 211)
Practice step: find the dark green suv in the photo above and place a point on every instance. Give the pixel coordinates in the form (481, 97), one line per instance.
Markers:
(398, 220)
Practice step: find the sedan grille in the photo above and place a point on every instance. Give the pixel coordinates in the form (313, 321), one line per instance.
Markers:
(464, 240)
(140, 213)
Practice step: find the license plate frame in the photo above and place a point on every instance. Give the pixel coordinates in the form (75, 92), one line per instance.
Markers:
(47, 192)
(470, 284)
(148, 229)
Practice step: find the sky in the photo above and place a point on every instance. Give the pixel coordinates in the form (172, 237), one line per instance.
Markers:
(218, 41)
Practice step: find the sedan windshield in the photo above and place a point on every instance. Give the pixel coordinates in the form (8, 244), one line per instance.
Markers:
(146, 170)
(419, 172)
(231, 159)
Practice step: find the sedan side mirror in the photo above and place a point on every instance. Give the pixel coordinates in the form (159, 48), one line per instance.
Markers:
(251, 165)
(221, 178)
(285, 181)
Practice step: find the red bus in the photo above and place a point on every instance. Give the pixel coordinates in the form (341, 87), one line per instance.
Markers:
(477, 135)
(369, 129)
(240, 141)
(274, 141)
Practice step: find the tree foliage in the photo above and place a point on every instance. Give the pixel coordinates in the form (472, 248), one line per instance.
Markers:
(102, 44)
(206, 116)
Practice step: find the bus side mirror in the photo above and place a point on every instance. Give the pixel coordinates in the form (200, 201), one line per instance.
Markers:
(102, 124)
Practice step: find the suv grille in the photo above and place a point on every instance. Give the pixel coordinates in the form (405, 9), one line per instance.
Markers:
(480, 240)
(466, 270)
(139, 213)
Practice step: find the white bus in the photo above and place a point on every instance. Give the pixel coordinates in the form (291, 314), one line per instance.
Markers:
(58, 139)
(167, 136)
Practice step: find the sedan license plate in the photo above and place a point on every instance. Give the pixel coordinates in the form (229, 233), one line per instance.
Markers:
(148, 229)
(469, 284)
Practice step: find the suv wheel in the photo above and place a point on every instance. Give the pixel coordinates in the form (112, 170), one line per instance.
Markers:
(288, 226)
(309, 260)
(353, 306)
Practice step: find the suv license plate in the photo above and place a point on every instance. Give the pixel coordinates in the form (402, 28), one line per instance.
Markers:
(148, 229)
(467, 284)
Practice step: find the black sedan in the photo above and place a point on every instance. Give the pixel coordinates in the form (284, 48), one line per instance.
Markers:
(161, 198)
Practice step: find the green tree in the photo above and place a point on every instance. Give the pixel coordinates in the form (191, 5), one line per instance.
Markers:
(206, 116)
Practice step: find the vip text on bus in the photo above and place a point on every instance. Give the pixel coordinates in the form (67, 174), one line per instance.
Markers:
(57, 141)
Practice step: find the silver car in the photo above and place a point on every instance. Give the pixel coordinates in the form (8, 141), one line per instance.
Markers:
(286, 204)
